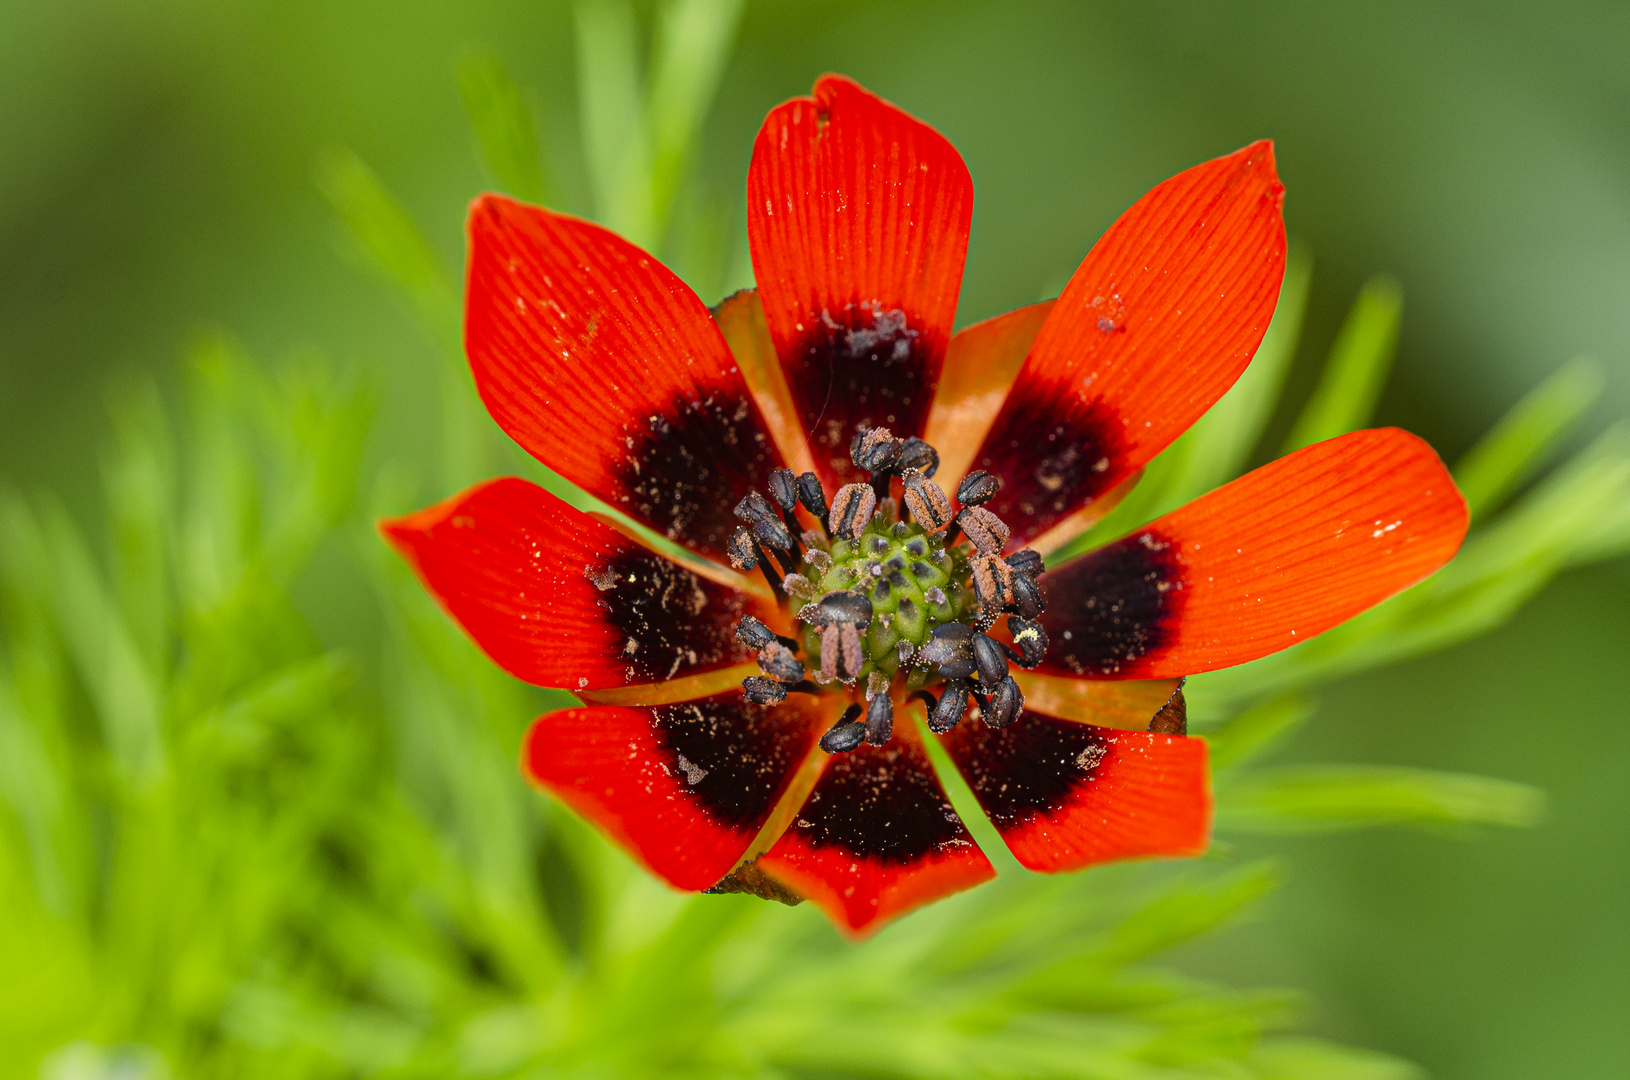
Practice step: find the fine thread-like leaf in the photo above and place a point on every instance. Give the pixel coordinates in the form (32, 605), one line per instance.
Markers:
(1357, 370)
(505, 129)
(1515, 447)
(388, 238)
(1316, 798)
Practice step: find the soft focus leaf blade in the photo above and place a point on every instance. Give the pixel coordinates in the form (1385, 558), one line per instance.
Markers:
(1360, 361)
(1516, 446)
(1319, 798)
(505, 129)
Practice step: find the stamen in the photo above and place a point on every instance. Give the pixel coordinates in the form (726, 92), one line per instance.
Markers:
(987, 531)
(992, 583)
(813, 496)
(950, 650)
(953, 703)
(778, 662)
(753, 634)
(1030, 639)
(1027, 596)
(1005, 705)
(926, 501)
(741, 549)
(990, 660)
(977, 488)
(846, 734)
(852, 509)
(880, 720)
(853, 653)
(875, 449)
(769, 573)
(1026, 561)
(761, 690)
(784, 488)
(916, 454)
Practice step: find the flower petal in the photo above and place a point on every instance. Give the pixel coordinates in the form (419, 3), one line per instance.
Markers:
(877, 838)
(1066, 795)
(561, 599)
(606, 367)
(685, 788)
(1277, 556)
(858, 216)
(980, 365)
(1159, 320)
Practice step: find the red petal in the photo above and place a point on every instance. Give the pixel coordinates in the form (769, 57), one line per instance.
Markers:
(685, 788)
(558, 598)
(1066, 795)
(607, 368)
(980, 365)
(877, 838)
(1277, 556)
(858, 219)
(1156, 324)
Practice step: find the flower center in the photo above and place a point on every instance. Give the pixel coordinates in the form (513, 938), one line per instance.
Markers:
(890, 596)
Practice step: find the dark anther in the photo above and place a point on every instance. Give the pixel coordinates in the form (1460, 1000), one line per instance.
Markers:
(880, 719)
(761, 690)
(778, 662)
(1026, 561)
(753, 634)
(1027, 596)
(767, 528)
(875, 450)
(916, 454)
(990, 659)
(839, 609)
(852, 509)
(924, 696)
(741, 549)
(925, 500)
(978, 487)
(754, 508)
(1005, 704)
(1173, 717)
(813, 496)
(992, 582)
(846, 734)
(852, 651)
(985, 529)
(950, 707)
(1029, 639)
(950, 650)
(784, 488)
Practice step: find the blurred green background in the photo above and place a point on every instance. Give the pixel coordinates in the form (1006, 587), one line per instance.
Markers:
(157, 175)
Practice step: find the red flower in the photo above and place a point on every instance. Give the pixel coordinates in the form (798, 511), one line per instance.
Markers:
(842, 367)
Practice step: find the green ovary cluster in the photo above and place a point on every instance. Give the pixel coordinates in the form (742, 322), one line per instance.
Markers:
(914, 584)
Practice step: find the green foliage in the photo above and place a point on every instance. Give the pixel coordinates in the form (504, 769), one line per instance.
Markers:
(1357, 369)
(1324, 797)
(1517, 446)
(505, 130)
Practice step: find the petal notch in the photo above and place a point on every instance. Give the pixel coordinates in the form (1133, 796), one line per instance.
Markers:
(1156, 324)
(858, 217)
